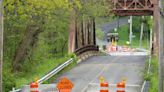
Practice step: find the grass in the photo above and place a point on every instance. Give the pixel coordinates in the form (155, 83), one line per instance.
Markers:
(38, 71)
(154, 75)
(41, 60)
(52, 79)
(124, 37)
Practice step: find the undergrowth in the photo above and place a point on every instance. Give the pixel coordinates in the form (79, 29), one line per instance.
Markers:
(154, 75)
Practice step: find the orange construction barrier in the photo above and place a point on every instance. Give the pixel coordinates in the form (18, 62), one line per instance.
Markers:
(104, 87)
(121, 86)
(34, 87)
(114, 48)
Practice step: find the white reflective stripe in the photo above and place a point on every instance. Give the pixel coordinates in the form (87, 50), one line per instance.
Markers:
(34, 89)
(127, 85)
(120, 89)
(104, 88)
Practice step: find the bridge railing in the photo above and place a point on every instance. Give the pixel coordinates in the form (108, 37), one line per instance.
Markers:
(86, 49)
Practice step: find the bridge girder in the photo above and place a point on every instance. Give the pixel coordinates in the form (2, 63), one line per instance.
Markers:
(133, 7)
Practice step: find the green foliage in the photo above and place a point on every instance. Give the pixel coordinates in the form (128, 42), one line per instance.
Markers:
(99, 34)
(38, 69)
(95, 8)
(50, 47)
(92, 8)
(69, 67)
(124, 33)
(8, 81)
(154, 75)
(50, 16)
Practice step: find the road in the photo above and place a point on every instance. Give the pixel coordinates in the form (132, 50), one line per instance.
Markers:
(111, 67)
(108, 27)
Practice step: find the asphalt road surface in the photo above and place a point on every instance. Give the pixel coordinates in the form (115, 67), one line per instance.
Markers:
(108, 27)
(111, 67)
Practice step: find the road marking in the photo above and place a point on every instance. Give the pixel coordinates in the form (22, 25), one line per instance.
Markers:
(127, 85)
(99, 74)
(128, 53)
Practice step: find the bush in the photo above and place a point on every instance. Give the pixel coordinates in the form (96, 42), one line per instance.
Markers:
(8, 82)
(99, 34)
(154, 75)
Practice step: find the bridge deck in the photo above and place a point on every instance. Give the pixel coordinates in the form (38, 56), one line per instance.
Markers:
(112, 68)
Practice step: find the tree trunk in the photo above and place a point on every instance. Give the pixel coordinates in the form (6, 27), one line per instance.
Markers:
(27, 42)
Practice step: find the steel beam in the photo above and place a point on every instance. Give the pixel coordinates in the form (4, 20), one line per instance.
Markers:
(131, 7)
(94, 32)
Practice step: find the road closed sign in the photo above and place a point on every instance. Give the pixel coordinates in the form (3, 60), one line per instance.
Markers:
(65, 85)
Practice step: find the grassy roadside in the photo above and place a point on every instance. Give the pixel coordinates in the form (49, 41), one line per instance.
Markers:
(39, 71)
(154, 75)
(124, 36)
(53, 79)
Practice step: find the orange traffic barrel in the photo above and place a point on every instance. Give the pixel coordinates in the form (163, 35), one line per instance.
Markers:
(104, 87)
(34, 87)
(121, 86)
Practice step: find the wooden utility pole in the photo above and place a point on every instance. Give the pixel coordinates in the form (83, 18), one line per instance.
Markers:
(1, 43)
(161, 46)
(156, 28)
(157, 42)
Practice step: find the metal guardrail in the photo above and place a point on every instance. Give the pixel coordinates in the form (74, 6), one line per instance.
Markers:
(144, 85)
(50, 74)
(55, 71)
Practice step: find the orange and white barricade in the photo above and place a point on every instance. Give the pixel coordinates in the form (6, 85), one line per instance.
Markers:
(114, 48)
(104, 87)
(121, 87)
(34, 87)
